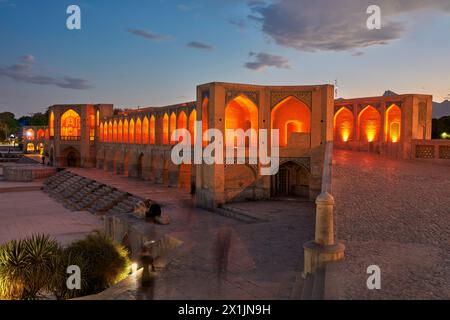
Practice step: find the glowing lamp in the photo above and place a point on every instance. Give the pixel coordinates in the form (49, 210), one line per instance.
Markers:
(134, 267)
(445, 135)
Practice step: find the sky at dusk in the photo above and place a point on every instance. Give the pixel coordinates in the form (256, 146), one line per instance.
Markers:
(155, 52)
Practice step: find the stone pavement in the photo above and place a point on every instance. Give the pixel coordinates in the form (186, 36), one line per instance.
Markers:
(394, 214)
(25, 213)
(264, 258)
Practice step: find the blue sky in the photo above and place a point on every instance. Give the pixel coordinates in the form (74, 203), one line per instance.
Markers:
(154, 52)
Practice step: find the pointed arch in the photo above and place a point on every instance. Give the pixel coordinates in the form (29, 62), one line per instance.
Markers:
(52, 124)
(40, 134)
(110, 131)
(242, 113)
(115, 131)
(120, 131)
(152, 130)
(290, 116)
(369, 123)
(343, 125)
(165, 131)
(70, 125)
(102, 132)
(182, 122)
(205, 119)
(392, 127)
(138, 131)
(192, 127)
(173, 126)
(97, 118)
(126, 128)
(131, 131)
(145, 128)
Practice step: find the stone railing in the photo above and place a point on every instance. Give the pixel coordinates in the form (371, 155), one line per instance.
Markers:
(431, 149)
(324, 248)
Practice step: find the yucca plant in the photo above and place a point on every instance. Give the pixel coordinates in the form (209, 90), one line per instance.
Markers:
(26, 267)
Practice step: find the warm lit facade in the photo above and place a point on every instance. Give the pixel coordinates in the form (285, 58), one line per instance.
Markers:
(387, 125)
(138, 143)
(34, 139)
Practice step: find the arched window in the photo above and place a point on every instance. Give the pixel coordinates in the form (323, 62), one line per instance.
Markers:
(52, 124)
(165, 122)
(205, 119)
(343, 125)
(393, 124)
(145, 128)
(173, 126)
(138, 130)
(120, 131)
(242, 113)
(70, 125)
(182, 123)
(101, 132)
(125, 131)
(131, 131)
(152, 130)
(290, 116)
(369, 123)
(110, 131)
(115, 131)
(98, 118)
(40, 134)
(192, 127)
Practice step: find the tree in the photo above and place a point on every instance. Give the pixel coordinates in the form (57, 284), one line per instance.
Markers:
(8, 125)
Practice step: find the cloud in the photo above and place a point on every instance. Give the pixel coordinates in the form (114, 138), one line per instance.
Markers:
(23, 72)
(239, 23)
(149, 35)
(329, 25)
(264, 60)
(183, 7)
(358, 54)
(199, 45)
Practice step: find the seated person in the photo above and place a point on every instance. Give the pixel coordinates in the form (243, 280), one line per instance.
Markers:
(153, 214)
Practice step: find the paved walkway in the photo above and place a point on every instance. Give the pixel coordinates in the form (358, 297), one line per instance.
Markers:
(394, 214)
(264, 258)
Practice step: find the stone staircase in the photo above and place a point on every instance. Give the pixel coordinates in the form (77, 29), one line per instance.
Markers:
(78, 193)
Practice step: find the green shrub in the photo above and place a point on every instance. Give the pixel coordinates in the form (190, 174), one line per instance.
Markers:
(26, 267)
(104, 262)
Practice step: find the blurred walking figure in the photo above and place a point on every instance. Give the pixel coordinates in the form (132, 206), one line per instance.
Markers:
(222, 251)
(147, 288)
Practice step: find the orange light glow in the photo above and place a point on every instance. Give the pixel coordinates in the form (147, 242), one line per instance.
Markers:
(101, 132)
(131, 131)
(182, 123)
(192, 127)
(369, 124)
(393, 123)
(290, 116)
(343, 125)
(120, 131)
(165, 126)
(145, 128)
(115, 131)
(205, 119)
(242, 113)
(52, 124)
(125, 131)
(40, 134)
(70, 124)
(138, 131)
(173, 126)
(110, 132)
(152, 130)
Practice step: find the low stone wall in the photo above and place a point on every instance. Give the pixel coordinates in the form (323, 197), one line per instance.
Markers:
(26, 173)
(436, 150)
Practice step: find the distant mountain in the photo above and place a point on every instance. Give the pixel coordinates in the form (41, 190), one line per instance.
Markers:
(389, 93)
(441, 109)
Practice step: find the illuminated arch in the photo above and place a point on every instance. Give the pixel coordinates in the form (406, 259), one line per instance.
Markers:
(392, 126)
(152, 129)
(165, 125)
(30, 147)
(205, 119)
(70, 125)
(101, 132)
(40, 134)
(343, 125)
(369, 123)
(138, 131)
(131, 131)
(290, 116)
(192, 127)
(110, 131)
(120, 131)
(29, 134)
(242, 113)
(115, 131)
(173, 126)
(125, 131)
(145, 128)
(182, 122)
(47, 134)
(98, 118)
(52, 124)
